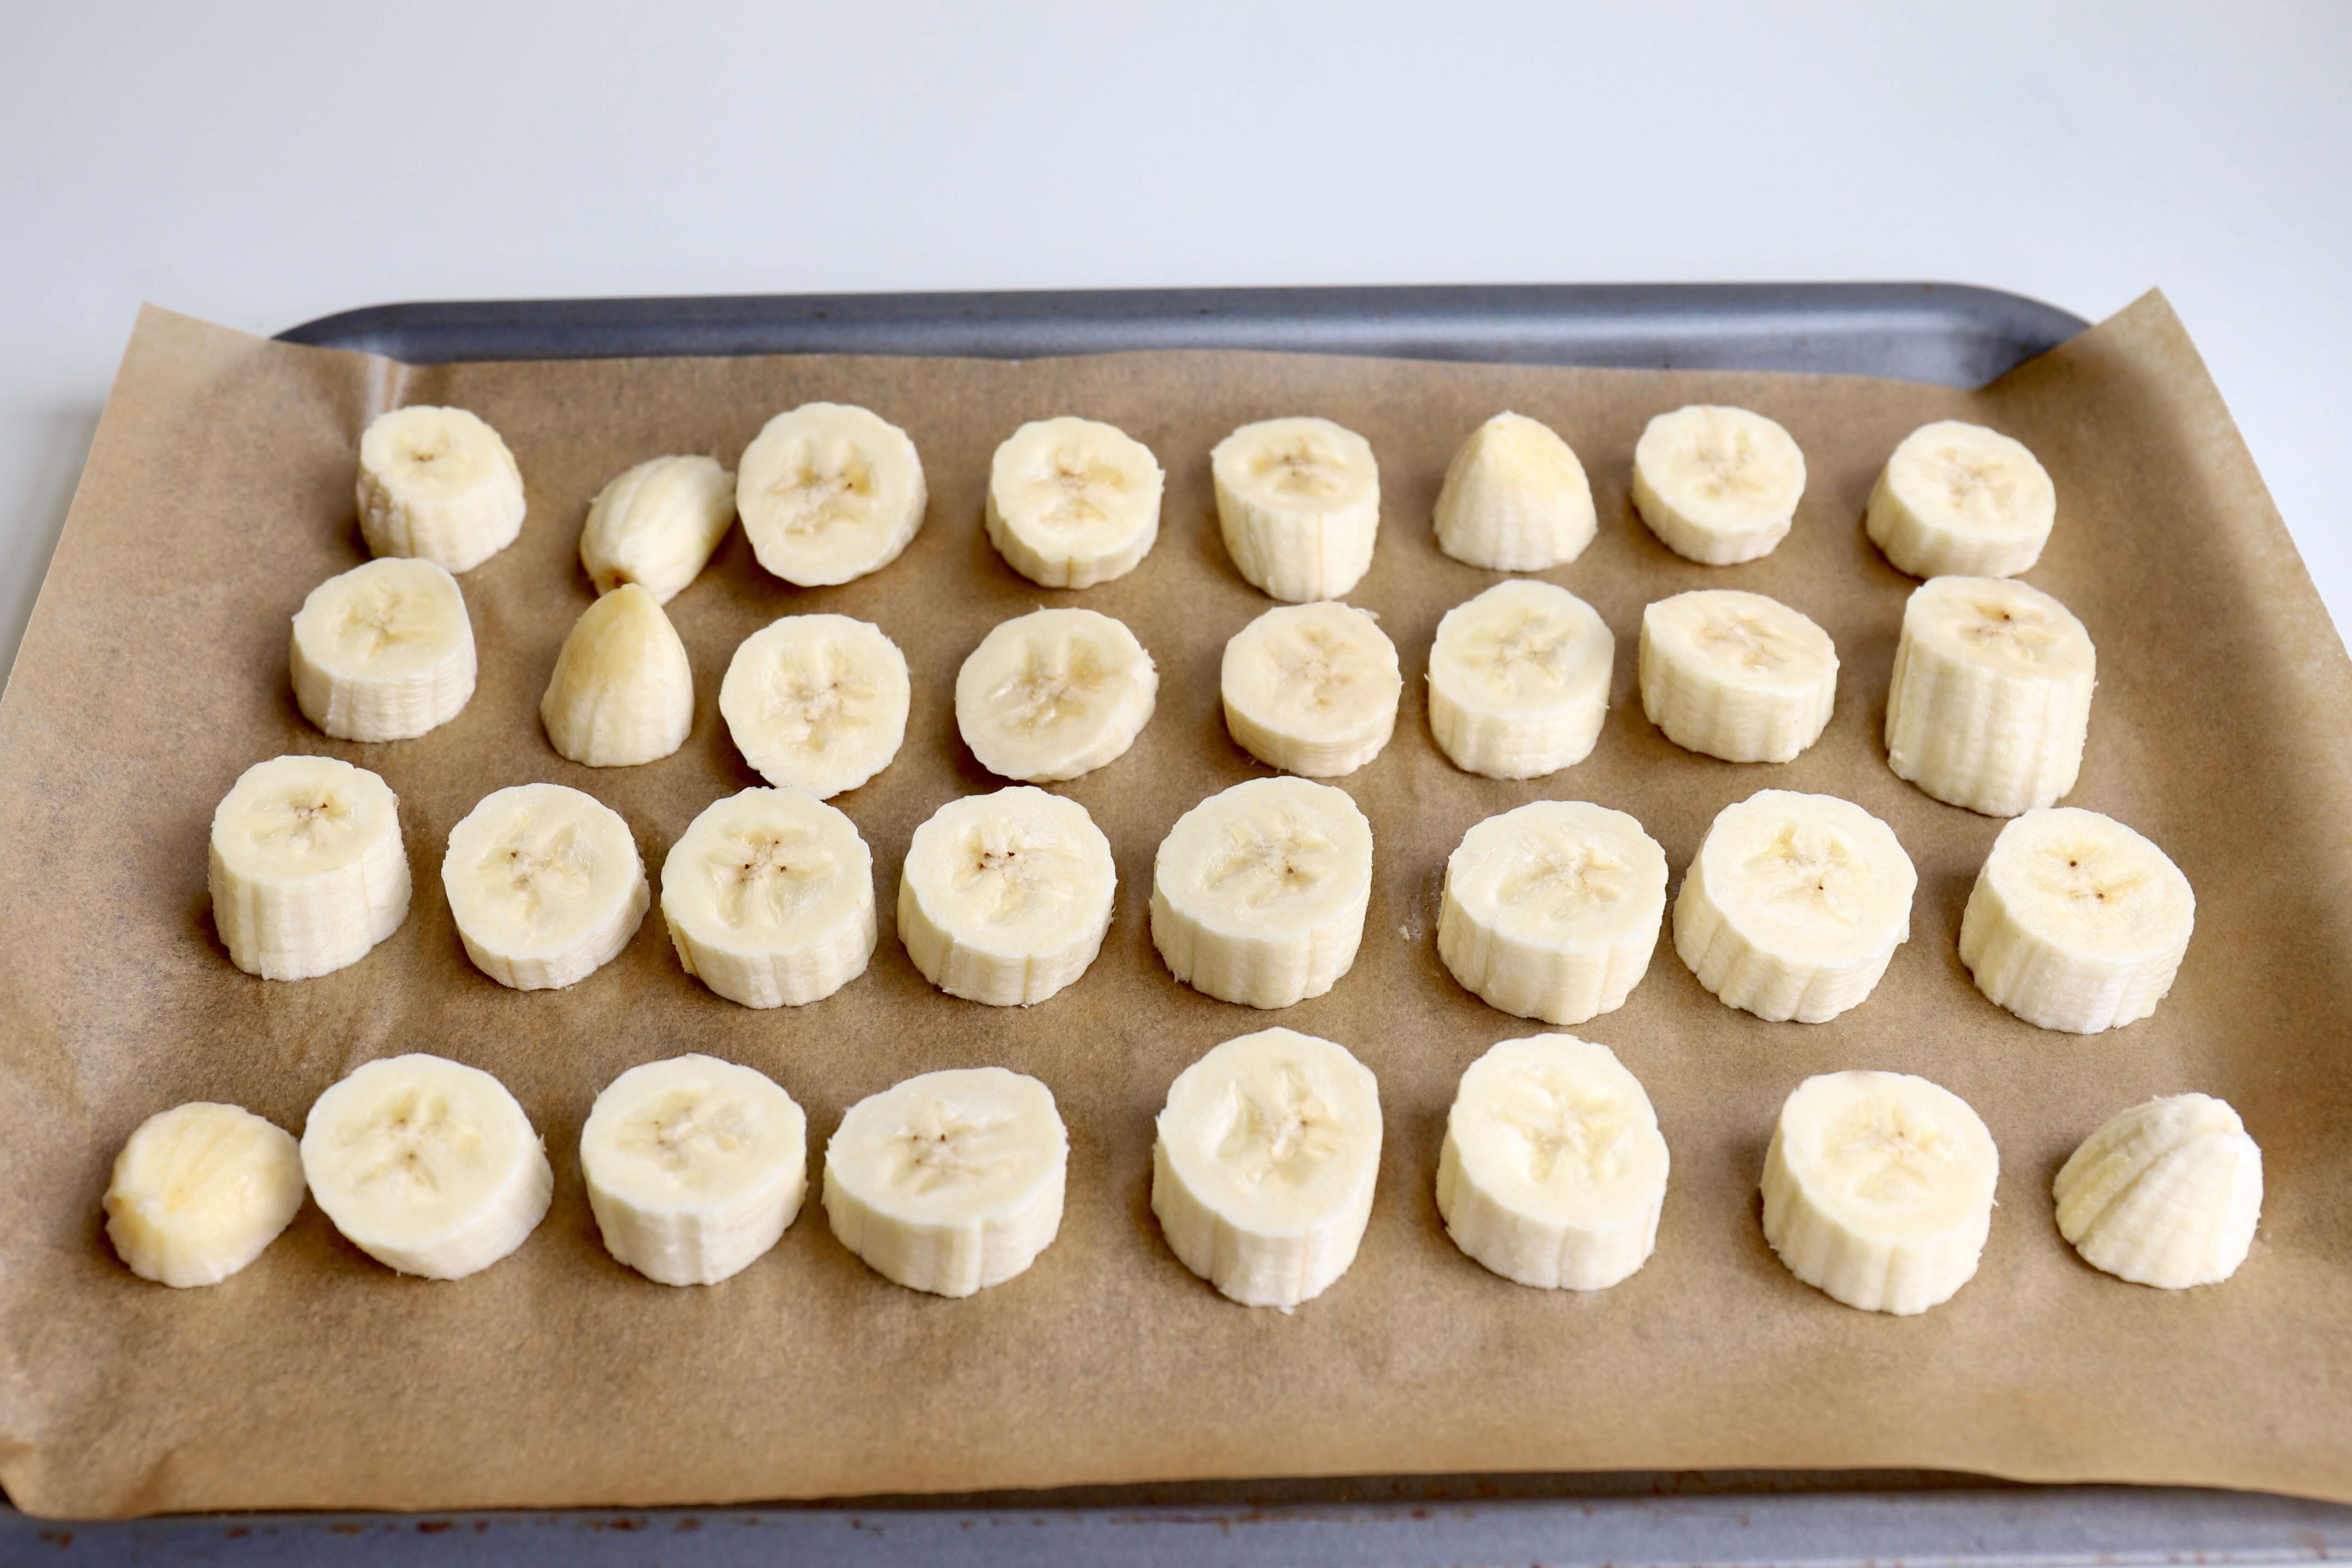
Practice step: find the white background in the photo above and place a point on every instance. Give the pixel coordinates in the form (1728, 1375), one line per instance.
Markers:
(262, 164)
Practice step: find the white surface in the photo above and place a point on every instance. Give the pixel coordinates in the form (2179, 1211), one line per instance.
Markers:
(259, 165)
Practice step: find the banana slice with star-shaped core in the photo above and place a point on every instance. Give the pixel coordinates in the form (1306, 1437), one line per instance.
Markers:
(1515, 499)
(949, 1182)
(1072, 502)
(545, 885)
(1519, 680)
(1717, 485)
(2167, 1193)
(816, 703)
(437, 483)
(769, 897)
(1311, 689)
(307, 868)
(1004, 897)
(622, 692)
(658, 525)
(1990, 700)
(1298, 502)
(1958, 499)
(199, 1191)
(829, 492)
(383, 652)
(1263, 1168)
(1794, 905)
(1054, 694)
(1736, 676)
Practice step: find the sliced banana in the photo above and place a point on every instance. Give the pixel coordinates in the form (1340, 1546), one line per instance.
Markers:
(2167, 1193)
(658, 525)
(816, 703)
(1990, 700)
(950, 1181)
(199, 1191)
(1519, 680)
(426, 1165)
(1515, 499)
(1072, 502)
(1958, 499)
(769, 897)
(829, 492)
(1736, 676)
(383, 652)
(545, 885)
(308, 872)
(1054, 694)
(1794, 905)
(695, 1168)
(622, 692)
(1298, 502)
(1004, 897)
(1717, 485)
(1258, 893)
(437, 483)
(1311, 689)
(1263, 1168)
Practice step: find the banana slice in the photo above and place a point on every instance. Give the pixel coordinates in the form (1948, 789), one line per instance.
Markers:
(426, 1165)
(828, 493)
(545, 885)
(1736, 676)
(199, 1191)
(1262, 1172)
(949, 1182)
(383, 652)
(658, 525)
(1258, 893)
(622, 692)
(437, 483)
(1794, 905)
(1298, 502)
(1878, 1190)
(1054, 694)
(1518, 681)
(1515, 499)
(817, 702)
(2167, 1193)
(1552, 911)
(308, 872)
(1004, 897)
(769, 897)
(695, 1168)
(1553, 1172)
(1072, 502)
(2076, 922)
(1958, 499)
(1990, 700)
(1718, 486)
(1311, 689)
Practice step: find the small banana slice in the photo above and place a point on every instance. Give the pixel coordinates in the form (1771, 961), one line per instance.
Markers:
(383, 652)
(199, 1191)
(1552, 911)
(1990, 700)
(1717, 485)
(1072, 502)
(437, 483)
(1004, 897)
(1258, 893)
(1958, 499)
(2076, 922)
(1515, 499)
(2167, 1193)
(1794, 905)
(1311, 689)
(307, 871)
(695, 1168)
(1262, 1169)
(1736, 676)
(1298, 502)
(622, 692)
(426, 1165)
(950, 1181)
(816, 703)
(1054, 694)
(1519, 680)
(1553, 1172)
(545, 885)
(769, 897)
(658, 525)
(829, 492)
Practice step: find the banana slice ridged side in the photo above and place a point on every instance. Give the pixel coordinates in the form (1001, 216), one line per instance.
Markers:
(1072, 502)
(816, 703)
(1311, 689)
(440, 484)
(1515, 499)
(308, 872)
(829, 492)
(1717, 485)
(1736, 676)
(2167, 1193)
(1990, 700)
(1519, 680)
(622, 692)
(199, 1191)
(1298, 502)
(1004, 897)
(1054, 694)
(545, 885)
(769, 897)
(383, 652)
(658, 525)
(1958, 499)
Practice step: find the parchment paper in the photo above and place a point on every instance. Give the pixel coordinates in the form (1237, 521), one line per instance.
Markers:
(219, 491)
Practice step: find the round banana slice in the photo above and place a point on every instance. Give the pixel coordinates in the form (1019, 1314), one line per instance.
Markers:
(1717, 485)
(1736, 676)
(2076, 922)
(1794, 905)
(1262, 1173)
(1990, 700)
(1004, 897)
(622, 692)
(1054, 694)
(1553, 1171)
(437, 483)
(1518, 681)
(828, 493)
(1515, 499)
(1878, 1190)
(1311, 689)
(426, 1165)
(1958, 499)
(949, 1182)
(545, 885)
(199, 1191)
(658, 525)
(769, 897)
(1552, 911)
(695, 1168)
(383, 652)
(1298, 502)
(1258, 893)
(308, 872)
(2167, 1193)
(816, 703)
(1072, 502)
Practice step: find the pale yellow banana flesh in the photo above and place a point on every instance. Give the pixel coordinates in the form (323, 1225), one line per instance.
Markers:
(658, 525)
(1005, 898)
(1957, 499)
(1072, 502)
(545, 885)
(1299, 502)
(769, 897)
(383, 652)
(622, 692)
(1990, 700)
(829, 492)
(199, 1191)
(1515, 499)
(817, 702)
(1735, 674)
(437, 483)
(1054, 695)
(1519, 680)
(308, 872)
(2167, 1193)
(1717, 485)
(1311, 689)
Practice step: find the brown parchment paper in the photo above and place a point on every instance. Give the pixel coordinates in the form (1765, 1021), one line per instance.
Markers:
(219, 491)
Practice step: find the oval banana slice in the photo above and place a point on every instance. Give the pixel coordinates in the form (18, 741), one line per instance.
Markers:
(1717, 485)
(829, 492)
(816, 703)
(308, 872)
(199, 1191)
(383, 652)
(622, 692)
(1311, 689)
(1990, 700)
(1957, 499)
(1518, 681)
(658, 525)
(545, 885)
(1298, 502)
(1004, 897)
(1072, 502)
(2167, 1193)
(1515, 499)
(1736, 676)
(1054, 694)
(440, 484)
(769, 897)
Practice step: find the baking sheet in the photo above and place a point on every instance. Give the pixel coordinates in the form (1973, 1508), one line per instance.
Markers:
(219, 493)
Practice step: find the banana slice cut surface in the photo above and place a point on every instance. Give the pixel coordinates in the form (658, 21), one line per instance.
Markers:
(769, 897)
(817, 702)
(829, 492)
(622, 692)
(440, 484)
(2167, 1193)
(658, 525)
(1958, 499)
(307, 868)
(1990, 700)
(383, 652)
(1736, 676)
(1519, 680)
(1515, 499)
(545, 885)
(1311, 689)
(1004, 897)
(1298, 502)
(1717, 485)
(1054, 694)
(1072, 502)
(199, 1191)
